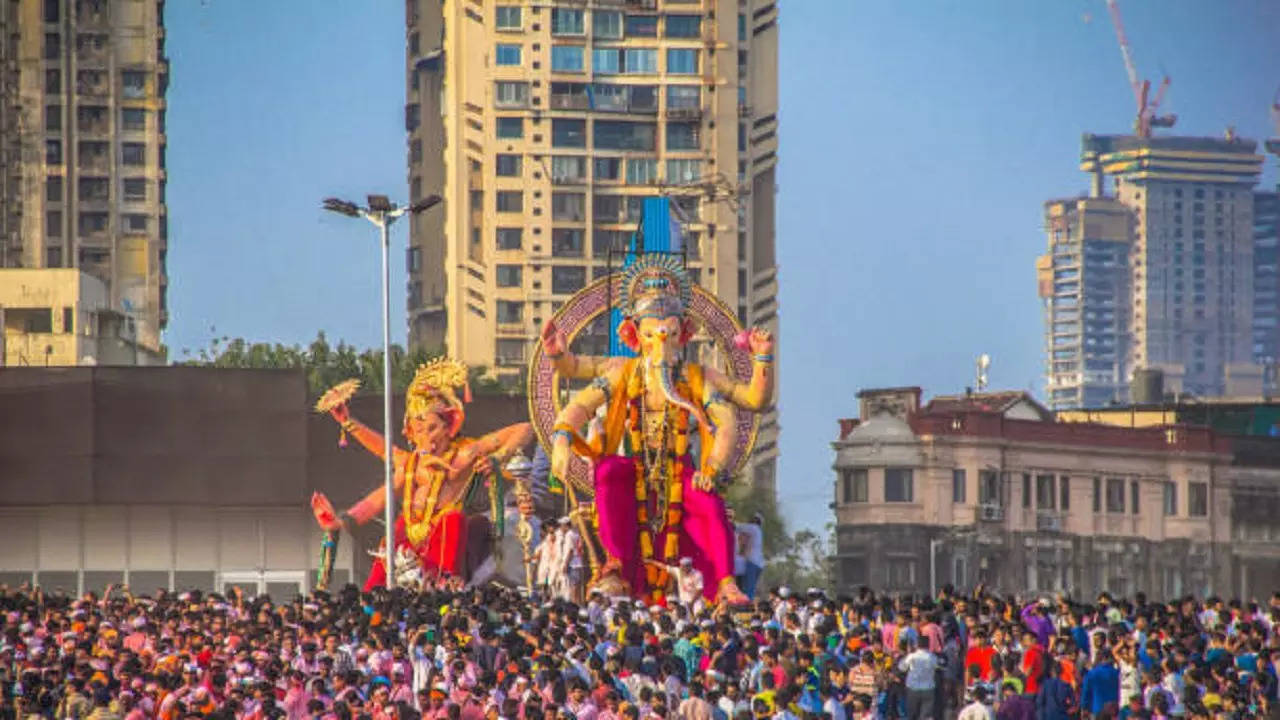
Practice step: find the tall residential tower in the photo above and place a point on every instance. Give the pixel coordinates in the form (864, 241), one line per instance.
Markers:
(543, 124)
(83, 147)
(1189, 269)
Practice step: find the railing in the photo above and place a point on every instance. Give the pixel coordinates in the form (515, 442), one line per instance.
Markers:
(569, 102)
(990, 512)
(684, 113)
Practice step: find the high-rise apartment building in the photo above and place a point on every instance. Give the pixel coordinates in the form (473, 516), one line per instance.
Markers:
(1084, 283)
(83, 143)
(1190, 266)
(1266, 282)
(545, 124)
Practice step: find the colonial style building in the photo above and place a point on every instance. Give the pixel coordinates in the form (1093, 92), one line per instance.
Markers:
(992, 488)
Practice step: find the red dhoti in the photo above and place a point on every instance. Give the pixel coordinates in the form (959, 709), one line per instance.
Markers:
(443, 552)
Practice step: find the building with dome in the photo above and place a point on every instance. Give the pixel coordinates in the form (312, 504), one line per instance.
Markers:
(992, 488)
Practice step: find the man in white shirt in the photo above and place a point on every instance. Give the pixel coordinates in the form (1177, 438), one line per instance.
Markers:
(750, 544)
(689, 584)
(921, 667)
(978, 709)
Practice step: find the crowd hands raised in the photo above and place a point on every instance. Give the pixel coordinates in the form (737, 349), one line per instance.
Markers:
(452, 653)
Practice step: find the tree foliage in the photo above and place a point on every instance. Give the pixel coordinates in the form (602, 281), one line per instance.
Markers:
(326, 365)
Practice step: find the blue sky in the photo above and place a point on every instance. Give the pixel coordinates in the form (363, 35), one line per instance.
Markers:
(919, 141)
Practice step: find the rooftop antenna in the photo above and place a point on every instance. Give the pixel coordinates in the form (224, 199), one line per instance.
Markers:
(984, 363)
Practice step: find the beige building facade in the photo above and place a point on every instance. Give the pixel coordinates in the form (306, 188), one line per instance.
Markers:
(990, 488)
(60, 317)
(543, 125)
(83, 137)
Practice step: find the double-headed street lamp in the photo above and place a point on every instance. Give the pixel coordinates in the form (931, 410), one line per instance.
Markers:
(383, 213)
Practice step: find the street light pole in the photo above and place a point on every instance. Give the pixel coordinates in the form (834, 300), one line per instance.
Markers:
(382, 213)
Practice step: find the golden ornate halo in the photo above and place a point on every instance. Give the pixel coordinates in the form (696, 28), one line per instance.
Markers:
(579, 311)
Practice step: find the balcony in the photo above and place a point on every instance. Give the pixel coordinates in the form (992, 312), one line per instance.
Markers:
(990, 512)
(569, 101)
(684, 113)
(1049, 521)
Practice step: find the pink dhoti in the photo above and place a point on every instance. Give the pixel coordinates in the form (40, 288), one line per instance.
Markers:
(704, 532)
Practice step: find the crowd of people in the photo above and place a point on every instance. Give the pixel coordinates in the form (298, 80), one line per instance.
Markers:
(452, 653)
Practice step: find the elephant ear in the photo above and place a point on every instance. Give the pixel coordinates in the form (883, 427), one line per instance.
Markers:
(688, 328)
(629, 334)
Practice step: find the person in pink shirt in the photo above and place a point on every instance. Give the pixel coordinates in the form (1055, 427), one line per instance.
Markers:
(296, 697)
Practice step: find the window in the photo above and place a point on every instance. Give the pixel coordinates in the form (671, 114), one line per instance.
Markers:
(52, 82)
(604, 241)
(508, 165)
(957, 486)
(1097, 495)
(92, 188)
(568, 206)
(135, 223)
(53, 152)
(989, 488)
(53, 118)
(1197, 499)
(1170, 498)
(1134, 491)
(52, 10)
(53, 256)
(510, 94)
(135, 189)
(507, 275)
(642, 26)
(567, 58)
(902, 573)
(567, 22)
(133, 119)
(566, 280)
(641, 171)
(682, 61)
(509, 238)
(567, 243)
(510, 128)
(683, 136)
(53, 189)
(510, 311)
(854, 485)
(133, 84)
(606, 61)
(53, 223)
(897, 485)
(1064, 493)
(684, 171)
(607, 168)
(684, 97)
(507, 54)
(133, 154)
(413, 259)
(568, 169)
(1115, 495)
(742, 27)
(684, 26)
(507, 17)
(1026, 490)
(606, 24)
(1044, 492)
(509, 351)
(640, 61)
(510, 201)
(568, 133)
(621, 135)
(93, 223)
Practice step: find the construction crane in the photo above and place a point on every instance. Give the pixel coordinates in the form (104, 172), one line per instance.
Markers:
(1147, 106)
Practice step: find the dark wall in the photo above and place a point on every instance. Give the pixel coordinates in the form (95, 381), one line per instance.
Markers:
(186, 435)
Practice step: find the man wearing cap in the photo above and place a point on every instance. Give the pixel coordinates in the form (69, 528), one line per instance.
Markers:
(689, 584)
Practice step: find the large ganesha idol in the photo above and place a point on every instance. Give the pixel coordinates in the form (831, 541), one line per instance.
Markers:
(434, 478)
(671, 433)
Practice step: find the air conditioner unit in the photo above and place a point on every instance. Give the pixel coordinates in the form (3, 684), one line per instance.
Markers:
(991, 513)
(1048, 523)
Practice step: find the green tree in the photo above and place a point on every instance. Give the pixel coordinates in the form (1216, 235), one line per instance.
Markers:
(326, 365)
(799, 560)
